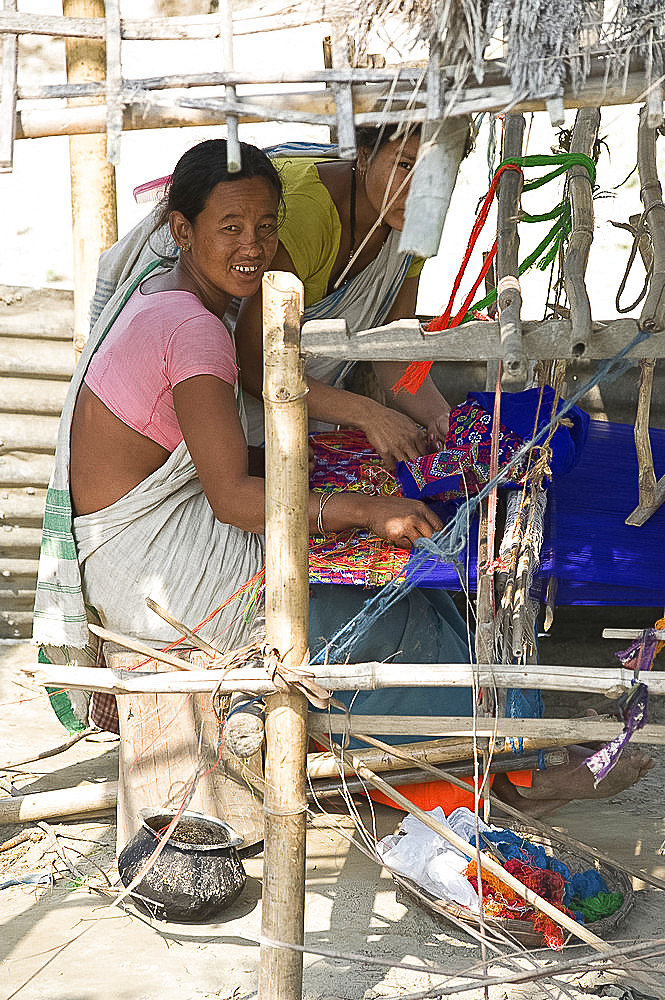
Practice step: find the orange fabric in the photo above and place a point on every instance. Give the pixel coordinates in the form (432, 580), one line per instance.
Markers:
(523, 779)
(428, 795)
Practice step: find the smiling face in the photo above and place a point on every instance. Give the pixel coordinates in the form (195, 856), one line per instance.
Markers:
(387, 178)
(231, 242)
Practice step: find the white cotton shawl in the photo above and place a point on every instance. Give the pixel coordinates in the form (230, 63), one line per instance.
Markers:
(161, 540)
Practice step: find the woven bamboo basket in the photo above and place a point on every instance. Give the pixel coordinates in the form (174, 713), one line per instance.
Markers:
(523, 931)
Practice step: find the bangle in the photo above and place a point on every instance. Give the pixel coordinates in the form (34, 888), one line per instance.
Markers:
(325, 497)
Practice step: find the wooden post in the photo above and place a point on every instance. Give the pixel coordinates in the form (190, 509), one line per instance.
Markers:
(651, 493)
(509, 299)
(94, 213)
(580, 190)
(287, 614)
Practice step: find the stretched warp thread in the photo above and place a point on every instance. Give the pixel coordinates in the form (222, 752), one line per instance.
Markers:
(448, 543)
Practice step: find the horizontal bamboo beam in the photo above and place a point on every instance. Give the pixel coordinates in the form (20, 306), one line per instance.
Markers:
(194, 27)
(62, 802)
(543, 340)
(327, 788)
(441, 751)
(572, 730)
(369, 105)
(630, 633)
(609, 681)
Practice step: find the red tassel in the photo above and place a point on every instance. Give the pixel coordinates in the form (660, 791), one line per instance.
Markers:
(414, 376)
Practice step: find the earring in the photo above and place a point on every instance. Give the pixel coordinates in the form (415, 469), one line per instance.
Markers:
(184, 249)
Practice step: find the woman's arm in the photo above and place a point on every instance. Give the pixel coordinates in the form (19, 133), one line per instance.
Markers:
(208, 417)
(394, 435)
(427, 406)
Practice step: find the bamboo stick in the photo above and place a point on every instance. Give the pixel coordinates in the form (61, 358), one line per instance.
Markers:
(64, 802)
(580, 188)
(114, 103)
(486, 862)
(509, 299)
(327, 788)
(285, 800)
(651, 493)
(309, 105)
(140, 647)
(570, 730)
(608, 681)
(442, 751)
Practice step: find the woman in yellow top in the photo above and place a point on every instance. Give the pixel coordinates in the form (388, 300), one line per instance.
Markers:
(340, 236)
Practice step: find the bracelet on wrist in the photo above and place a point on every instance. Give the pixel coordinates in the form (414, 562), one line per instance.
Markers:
(323, 500)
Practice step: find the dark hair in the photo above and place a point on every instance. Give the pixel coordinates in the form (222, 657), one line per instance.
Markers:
(202, 167)
(374, 137)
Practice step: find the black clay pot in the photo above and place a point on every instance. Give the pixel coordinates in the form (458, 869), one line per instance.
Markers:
(197, 874)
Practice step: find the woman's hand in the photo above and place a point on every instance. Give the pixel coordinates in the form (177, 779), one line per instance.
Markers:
(396, 437)
(437, 431)
(401, 521)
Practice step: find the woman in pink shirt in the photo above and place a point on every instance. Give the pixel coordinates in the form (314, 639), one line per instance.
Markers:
(166, 371)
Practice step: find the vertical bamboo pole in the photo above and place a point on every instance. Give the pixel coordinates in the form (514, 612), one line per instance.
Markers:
(580, 191)
(509, 299)
(285, 800)
(94, 213)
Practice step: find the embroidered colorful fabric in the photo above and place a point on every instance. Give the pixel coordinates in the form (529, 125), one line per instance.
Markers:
(344, 460)
(464, 465)
(355, 557)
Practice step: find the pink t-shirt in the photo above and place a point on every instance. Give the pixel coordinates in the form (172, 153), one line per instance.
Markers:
(158, 340)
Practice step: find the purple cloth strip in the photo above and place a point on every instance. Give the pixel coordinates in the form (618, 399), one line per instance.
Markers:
(635, 715)
(640, 655)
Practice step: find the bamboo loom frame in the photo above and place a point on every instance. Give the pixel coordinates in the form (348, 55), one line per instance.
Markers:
(352, 95)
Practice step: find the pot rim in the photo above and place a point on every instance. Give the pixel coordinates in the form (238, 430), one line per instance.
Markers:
(232, 839)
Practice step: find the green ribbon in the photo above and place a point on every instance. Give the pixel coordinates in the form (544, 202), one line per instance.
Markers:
(547, 249)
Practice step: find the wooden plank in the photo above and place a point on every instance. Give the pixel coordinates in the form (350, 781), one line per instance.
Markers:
(405, 339)
(25, 469)
(629, 633)
(18, 542)
(24, 507)
(8, 93)
(28, 432)
(30, 355)
(32, 395)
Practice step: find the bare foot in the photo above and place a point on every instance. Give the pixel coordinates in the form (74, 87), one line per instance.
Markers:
(557, 786)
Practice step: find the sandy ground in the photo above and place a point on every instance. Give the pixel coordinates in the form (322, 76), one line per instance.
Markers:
(63, 942)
